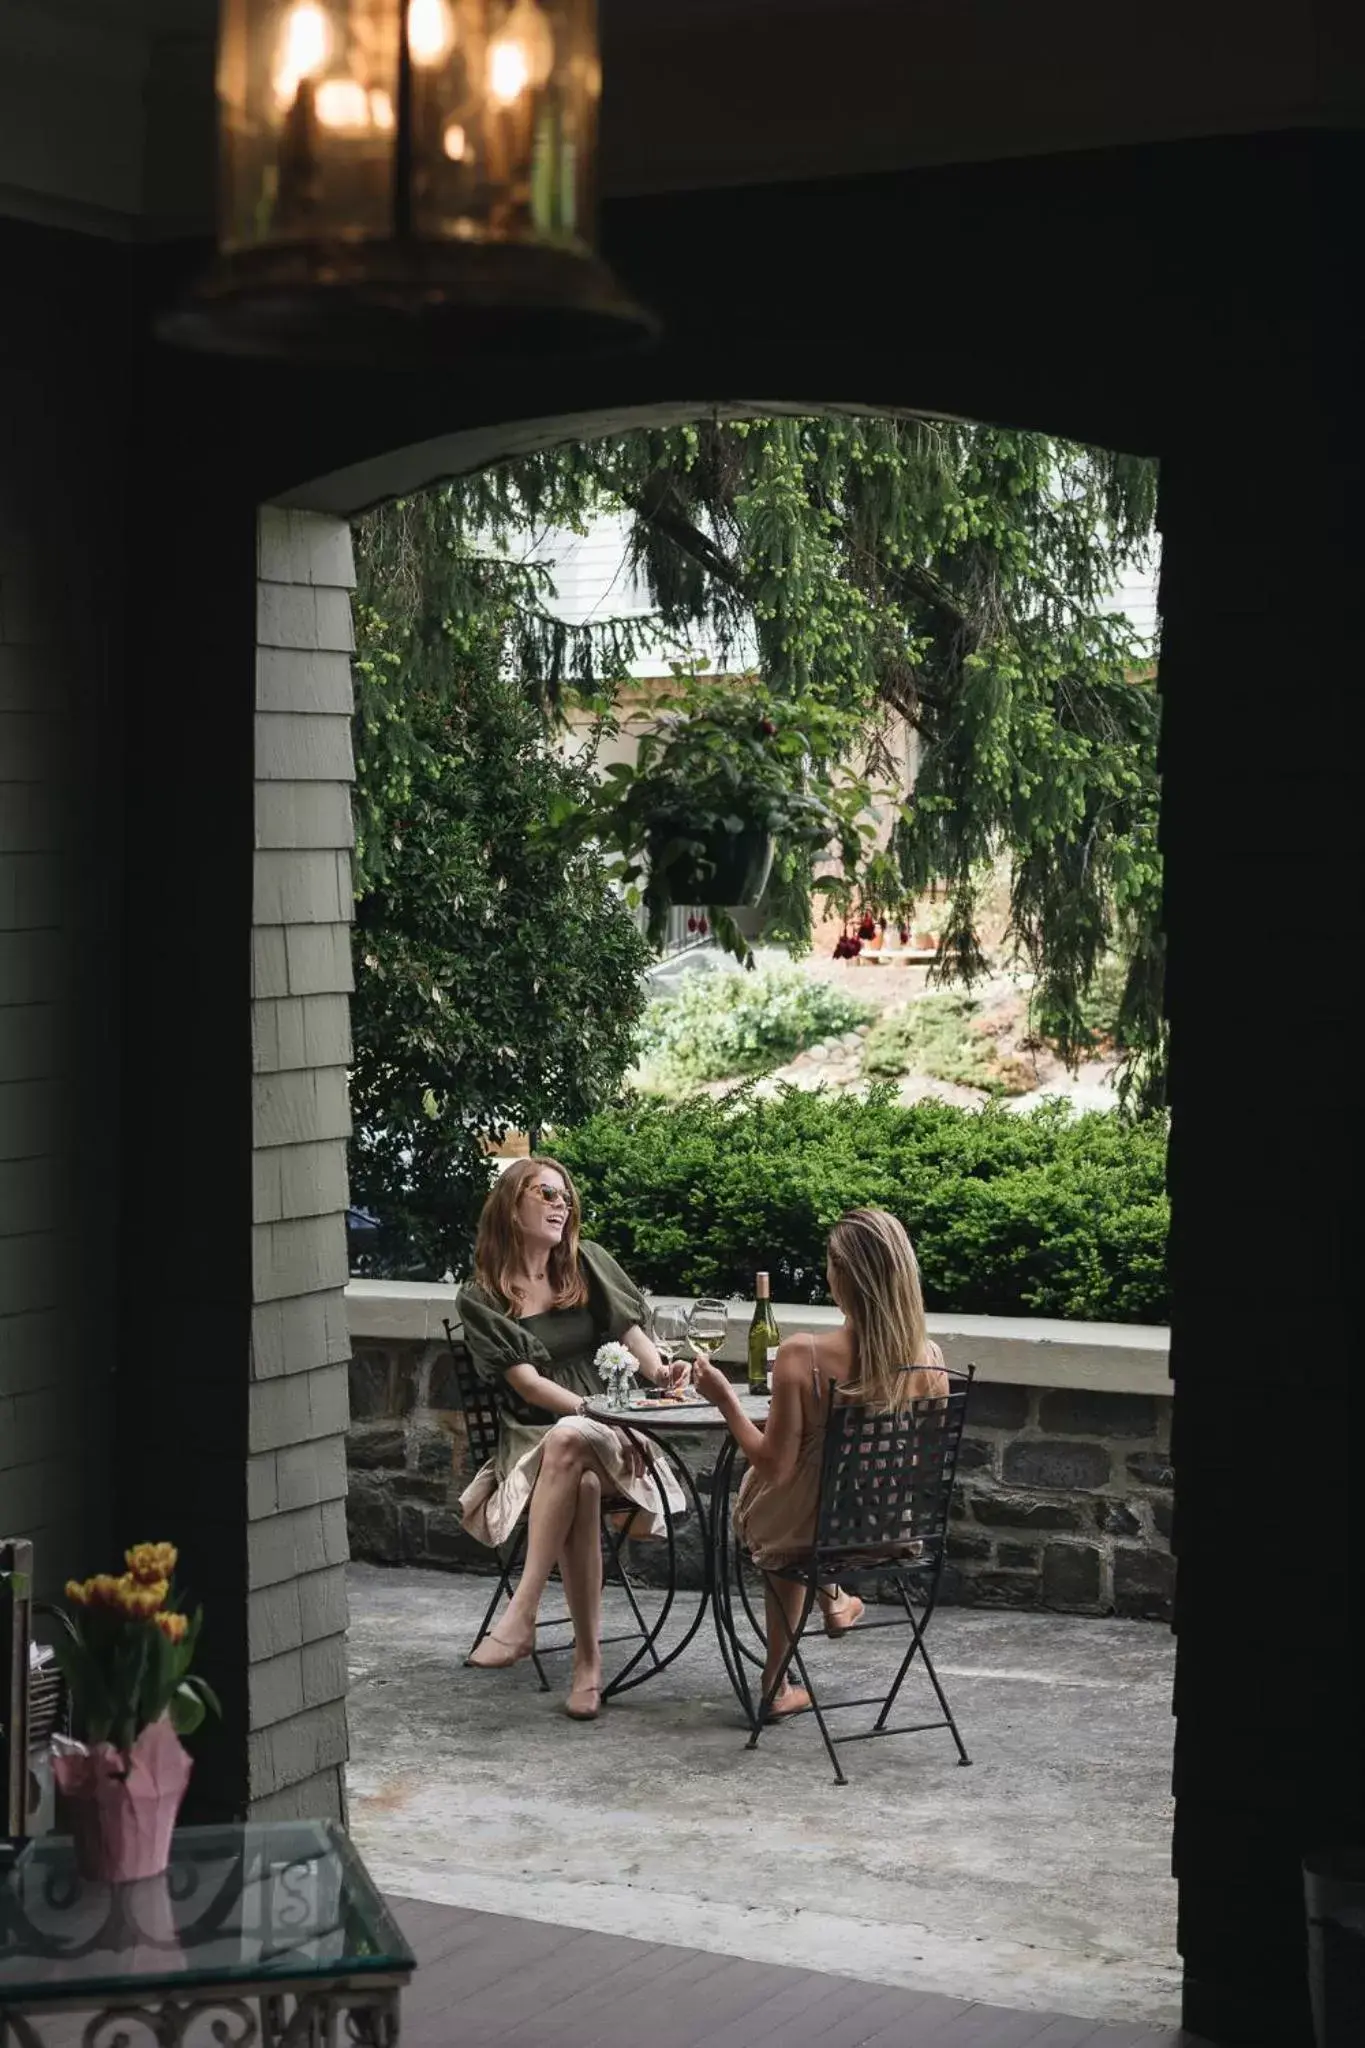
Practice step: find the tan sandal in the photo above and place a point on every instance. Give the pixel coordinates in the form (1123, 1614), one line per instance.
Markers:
(505, 1654)
(844, 1615)
(793, 1699)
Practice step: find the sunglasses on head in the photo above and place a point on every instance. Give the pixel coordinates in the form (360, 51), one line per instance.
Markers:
(553, 1198)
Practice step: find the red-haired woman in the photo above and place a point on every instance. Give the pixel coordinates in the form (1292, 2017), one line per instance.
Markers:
(540, 1304)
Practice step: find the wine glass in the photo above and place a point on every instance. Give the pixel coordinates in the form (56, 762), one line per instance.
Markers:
(708, 1325)
(669, 1324)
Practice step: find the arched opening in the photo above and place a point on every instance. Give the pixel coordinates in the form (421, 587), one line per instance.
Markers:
(457, 1788)
(1199, 222)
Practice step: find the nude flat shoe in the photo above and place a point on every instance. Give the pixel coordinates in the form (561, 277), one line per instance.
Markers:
(583, 1702)
(504, 1654)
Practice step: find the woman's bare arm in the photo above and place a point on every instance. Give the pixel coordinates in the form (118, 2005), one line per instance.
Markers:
(542, 1393)
(773, 1449)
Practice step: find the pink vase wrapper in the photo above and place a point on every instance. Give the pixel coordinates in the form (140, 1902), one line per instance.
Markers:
(123, 1809)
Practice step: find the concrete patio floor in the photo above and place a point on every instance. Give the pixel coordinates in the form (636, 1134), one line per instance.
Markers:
(1039, 1878)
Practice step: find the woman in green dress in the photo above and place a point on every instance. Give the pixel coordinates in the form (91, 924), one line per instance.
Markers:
(540, 1304)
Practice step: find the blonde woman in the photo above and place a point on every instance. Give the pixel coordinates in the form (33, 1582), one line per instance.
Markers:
(874, 1278)
(540, 1303)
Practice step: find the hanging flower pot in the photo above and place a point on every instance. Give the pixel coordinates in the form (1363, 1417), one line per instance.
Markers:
(728, 868)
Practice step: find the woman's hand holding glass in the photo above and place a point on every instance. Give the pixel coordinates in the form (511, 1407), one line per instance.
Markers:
(670, 1340)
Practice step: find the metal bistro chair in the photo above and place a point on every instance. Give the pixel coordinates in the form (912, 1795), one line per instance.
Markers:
(480, 1406)
(886, 1486)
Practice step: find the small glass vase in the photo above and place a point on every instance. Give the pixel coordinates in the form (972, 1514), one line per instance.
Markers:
(618, 1388)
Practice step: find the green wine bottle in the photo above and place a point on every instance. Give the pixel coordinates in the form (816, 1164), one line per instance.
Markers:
(764, 1338)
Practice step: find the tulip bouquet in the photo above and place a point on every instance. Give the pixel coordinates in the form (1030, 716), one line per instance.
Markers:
(126, 1655)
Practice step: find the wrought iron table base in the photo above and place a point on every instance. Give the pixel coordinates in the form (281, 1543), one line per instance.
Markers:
(306, 2014)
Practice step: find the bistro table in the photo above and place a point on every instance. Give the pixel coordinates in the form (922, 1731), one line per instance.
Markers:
(259, 1935)
(664, 1424)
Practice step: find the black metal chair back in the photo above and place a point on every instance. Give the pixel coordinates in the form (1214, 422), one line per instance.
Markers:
(887, 1481)
(478, 1402)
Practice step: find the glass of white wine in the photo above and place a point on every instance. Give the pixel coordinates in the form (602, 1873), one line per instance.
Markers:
(669, 1330)
(708, 1325)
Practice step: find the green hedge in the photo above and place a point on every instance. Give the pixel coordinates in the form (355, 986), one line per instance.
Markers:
(1041, 1214)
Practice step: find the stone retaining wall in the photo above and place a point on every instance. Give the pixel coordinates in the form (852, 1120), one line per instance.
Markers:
(1064, 1497)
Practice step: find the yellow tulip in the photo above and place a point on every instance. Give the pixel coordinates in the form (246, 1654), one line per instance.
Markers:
(151, 1562)
(172, 1626)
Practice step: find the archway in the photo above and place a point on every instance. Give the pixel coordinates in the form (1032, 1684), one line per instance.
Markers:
(802, 296)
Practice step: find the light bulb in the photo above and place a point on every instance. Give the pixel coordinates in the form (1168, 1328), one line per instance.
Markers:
(431, 32)
(453, 142)
(304, 48)
(521, 54)
(381, 109)
(343, 103)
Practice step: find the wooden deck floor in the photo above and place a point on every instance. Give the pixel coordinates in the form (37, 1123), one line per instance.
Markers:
(485, 1978)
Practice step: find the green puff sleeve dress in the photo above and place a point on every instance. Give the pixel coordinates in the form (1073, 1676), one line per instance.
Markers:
(561, 1344)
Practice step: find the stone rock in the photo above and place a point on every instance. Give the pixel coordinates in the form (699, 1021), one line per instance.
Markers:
(1071, 1575)
(999, 1589)
(443, 1389)
(372, 1444)
(1151, 1468)
(1083, 1411)
(974, 1454)
(420, 1486)
(1144, 1583)
(852, 1041)
(1164, 1517)
(1000, 1511)
(372, 1521)
(372, 1383)
(1016, 1557)
(647, 1562)
(1116, 1519)
(434, 1453)
(992, 1405)
(449, 1544)
(964, 1544)
(1066, 1466)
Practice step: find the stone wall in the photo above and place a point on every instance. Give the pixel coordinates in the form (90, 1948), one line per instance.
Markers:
(1063, 1501)
(407, 1457)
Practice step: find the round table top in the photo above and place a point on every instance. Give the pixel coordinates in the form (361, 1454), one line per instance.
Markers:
(686, 1415)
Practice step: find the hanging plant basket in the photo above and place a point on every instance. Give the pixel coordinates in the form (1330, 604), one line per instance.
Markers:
(731, 869)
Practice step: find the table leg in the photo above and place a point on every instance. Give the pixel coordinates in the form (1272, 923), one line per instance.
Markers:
(628, 1677)
(732, 1650)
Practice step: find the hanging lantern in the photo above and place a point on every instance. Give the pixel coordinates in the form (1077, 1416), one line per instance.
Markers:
(404, 180)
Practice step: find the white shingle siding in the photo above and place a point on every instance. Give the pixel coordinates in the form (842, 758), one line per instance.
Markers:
(301, 1045)
(593, 583)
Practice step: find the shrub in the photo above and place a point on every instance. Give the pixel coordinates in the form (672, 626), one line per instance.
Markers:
(722, 1026)
(935, 1035)
(1037, 1214)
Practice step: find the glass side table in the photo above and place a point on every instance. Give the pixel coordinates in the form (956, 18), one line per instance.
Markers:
(259, 1935)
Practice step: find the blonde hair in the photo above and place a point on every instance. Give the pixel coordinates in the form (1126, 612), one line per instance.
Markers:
(499, 1249)
(879, 1291)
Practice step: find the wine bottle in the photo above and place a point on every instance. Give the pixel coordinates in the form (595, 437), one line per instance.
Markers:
(764, 1338)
